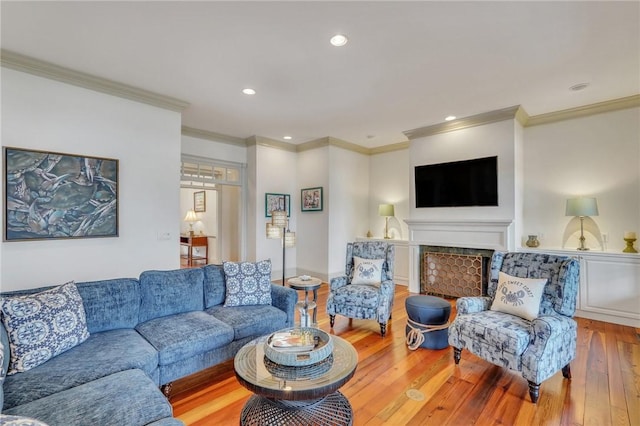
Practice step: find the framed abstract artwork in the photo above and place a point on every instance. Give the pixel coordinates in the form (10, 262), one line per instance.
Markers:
(276, 202)
(311, 199)
(51, 195)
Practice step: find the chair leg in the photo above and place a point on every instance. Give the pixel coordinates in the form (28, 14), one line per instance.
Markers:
(456, 355)
(383, 329)
(332, 320)
(566, 371)
(534, 391)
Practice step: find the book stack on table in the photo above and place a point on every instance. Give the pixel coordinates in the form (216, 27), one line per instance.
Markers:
(292, 341)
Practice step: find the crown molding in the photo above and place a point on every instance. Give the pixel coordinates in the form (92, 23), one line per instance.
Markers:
(213, 136)
(271, 143)
(339, 143)
(464, 123)
(389, 148)
(51, 71)
(586, 110)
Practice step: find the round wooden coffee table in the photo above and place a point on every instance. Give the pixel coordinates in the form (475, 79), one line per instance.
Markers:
(296, 395)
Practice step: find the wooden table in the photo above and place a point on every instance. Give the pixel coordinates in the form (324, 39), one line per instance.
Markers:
(306, 395)
(194, 241)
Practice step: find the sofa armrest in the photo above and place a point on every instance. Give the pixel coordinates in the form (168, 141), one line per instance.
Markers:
(470, 305)
(552, 345)
(337, 282)
(284, 298)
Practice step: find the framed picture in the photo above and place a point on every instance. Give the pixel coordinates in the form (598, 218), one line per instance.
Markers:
(51, 195)
(199, 201)
(276, 202)
(311, 199)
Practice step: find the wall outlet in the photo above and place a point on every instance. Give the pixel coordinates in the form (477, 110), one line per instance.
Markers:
(605, 237)
(164, 236)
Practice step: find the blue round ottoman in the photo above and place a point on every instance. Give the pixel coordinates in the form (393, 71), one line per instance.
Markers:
(427, 313)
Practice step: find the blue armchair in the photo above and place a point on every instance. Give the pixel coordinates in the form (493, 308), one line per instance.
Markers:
(364, 301)
(537, 348)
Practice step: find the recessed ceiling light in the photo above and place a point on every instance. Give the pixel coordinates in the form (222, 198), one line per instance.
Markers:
(450, 117)
(287, 138)
(578, 87)
(248, 91)
(339, 40)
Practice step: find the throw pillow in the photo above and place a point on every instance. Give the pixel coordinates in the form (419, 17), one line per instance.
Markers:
(43, 325)
(247, 283)
(519, 296)
(367, 271)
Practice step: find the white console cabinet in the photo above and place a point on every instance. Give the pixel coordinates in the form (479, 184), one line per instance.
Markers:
(609, 285)
(401, 264)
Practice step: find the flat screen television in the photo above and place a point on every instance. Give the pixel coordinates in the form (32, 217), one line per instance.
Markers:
(458, 184)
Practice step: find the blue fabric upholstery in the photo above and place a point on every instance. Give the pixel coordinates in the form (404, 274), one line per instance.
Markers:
(214, 285)
(284, 298)
(181, 336)
(429, 310)
(364, 301)
(248, 321)
(101, 355)
(110, 304)
(133, 399)
(171, 292)
(537, 348)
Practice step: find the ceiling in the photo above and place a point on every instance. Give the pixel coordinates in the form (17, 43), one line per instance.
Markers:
(407, 64)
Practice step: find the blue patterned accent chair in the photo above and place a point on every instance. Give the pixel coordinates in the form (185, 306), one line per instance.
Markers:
(537, 348)
(364, 301)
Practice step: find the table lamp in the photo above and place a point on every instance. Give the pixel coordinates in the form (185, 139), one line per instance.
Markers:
(191, 218)
(582, 207)
(387, 211)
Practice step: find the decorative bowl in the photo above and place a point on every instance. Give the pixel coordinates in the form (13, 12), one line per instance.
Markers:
(320, 346)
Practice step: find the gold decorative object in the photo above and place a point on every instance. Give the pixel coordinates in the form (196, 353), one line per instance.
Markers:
(629, 238)
(533, 241)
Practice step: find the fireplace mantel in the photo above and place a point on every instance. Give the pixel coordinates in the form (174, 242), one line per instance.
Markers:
(481, 234)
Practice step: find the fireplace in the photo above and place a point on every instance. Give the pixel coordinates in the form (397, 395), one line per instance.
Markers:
(454, 271)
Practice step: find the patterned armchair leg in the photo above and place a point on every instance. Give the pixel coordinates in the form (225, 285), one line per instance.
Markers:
(383, 328)
(332, 320)
(456, 355)
(534, 391)
(566, 371)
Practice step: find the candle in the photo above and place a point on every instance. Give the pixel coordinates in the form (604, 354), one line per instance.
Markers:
(629, 235)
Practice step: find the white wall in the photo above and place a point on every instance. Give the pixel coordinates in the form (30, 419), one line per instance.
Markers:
(348, 203)
(389, 183)
(43, 114)
(596, 156)
(313, 227)
(212, 149)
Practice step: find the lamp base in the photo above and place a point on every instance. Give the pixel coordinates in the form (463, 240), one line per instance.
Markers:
(583, 248)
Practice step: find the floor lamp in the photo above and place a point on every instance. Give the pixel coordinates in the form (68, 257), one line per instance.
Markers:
(279, 229)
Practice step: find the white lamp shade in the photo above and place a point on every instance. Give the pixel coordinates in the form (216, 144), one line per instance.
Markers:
(581, 207)
(191, 216)
(279, 218)
(273, 232)
(289, 239)
(386, 210)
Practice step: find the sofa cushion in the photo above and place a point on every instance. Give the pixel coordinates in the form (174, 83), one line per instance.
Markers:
(110, 304)
(250, 320)
(519, 296)
(214, 286)
(367, 271)
(43, 325)
(184, 335)
(101, 354)
(247, 283)
(170, 292)
(128, 397)
(357, 294)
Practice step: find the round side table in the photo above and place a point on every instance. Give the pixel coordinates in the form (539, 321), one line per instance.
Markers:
(304, 306)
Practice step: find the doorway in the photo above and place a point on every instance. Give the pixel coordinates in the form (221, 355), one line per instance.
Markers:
(213, 190)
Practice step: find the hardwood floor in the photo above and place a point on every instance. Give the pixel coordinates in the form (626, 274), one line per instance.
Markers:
(396, 386)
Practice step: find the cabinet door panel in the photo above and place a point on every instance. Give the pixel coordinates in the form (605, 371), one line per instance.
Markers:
(611, 287)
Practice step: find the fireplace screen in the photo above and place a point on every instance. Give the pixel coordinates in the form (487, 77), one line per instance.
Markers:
(452, 274)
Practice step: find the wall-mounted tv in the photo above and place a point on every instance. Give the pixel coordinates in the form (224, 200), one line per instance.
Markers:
(458, 184)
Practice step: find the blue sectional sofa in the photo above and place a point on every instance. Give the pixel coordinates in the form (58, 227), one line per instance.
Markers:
(144, 333)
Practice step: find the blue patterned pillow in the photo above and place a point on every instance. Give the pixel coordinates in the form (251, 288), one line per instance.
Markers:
(43, 325)
(247, 283)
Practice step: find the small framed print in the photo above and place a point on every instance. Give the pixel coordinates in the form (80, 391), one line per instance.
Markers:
(199, 201)
(276, 202)
(311, 199)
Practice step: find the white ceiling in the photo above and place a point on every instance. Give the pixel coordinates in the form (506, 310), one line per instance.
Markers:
(407, 64)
